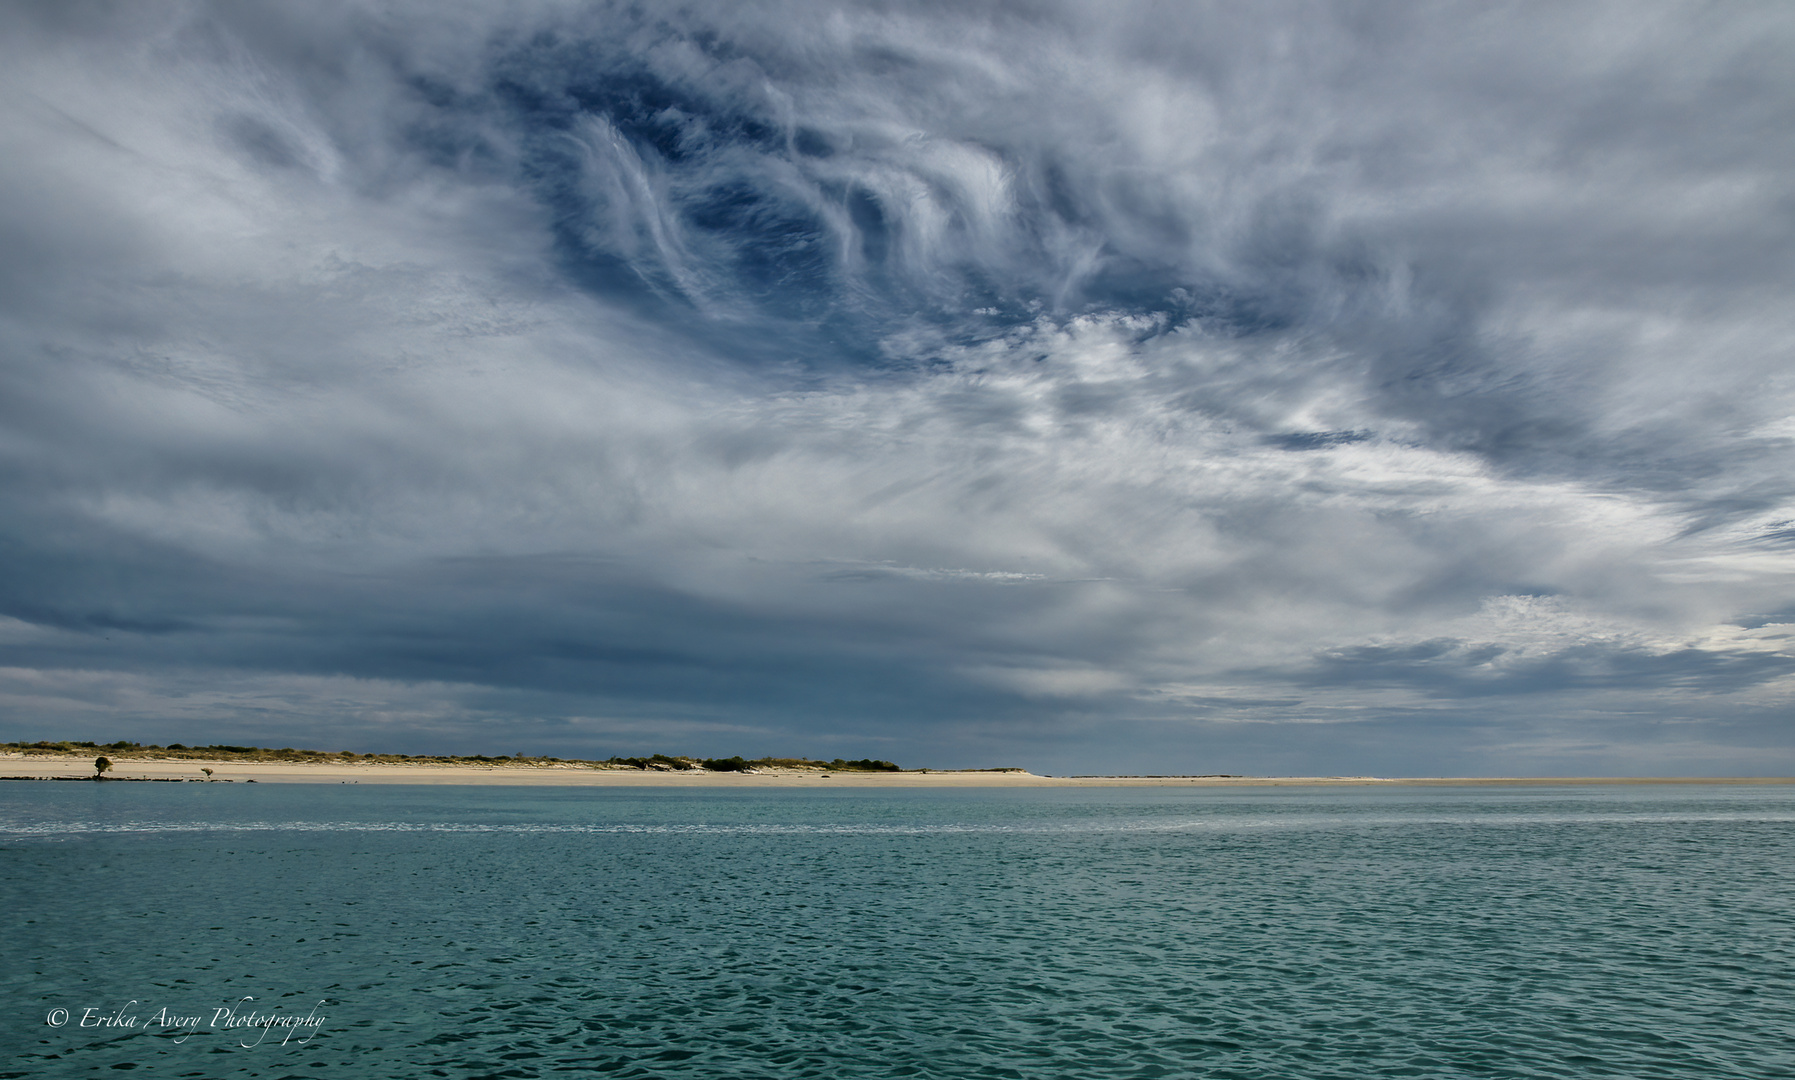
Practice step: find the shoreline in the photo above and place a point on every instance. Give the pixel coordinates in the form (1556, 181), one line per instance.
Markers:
(46, 767)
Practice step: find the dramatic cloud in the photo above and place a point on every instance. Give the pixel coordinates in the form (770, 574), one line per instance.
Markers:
(1339, 387)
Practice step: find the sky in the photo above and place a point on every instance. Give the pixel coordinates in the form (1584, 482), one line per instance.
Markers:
(1285, 388)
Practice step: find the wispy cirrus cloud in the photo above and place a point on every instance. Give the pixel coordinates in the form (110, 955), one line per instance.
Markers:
(1095, 388)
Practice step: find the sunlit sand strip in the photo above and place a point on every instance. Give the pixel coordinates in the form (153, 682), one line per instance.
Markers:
(570, 775)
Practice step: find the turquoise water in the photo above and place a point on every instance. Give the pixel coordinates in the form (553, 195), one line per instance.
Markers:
(506, 932)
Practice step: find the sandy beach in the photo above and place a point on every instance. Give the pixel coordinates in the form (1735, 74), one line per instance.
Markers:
(563, 774)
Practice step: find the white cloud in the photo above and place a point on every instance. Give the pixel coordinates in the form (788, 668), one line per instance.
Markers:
(1036, 360)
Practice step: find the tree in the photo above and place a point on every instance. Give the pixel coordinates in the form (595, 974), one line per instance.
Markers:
(100, 765)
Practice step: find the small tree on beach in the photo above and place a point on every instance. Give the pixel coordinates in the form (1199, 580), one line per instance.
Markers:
(100, 765)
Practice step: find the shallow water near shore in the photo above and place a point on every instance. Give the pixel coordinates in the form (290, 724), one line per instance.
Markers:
(522, 932)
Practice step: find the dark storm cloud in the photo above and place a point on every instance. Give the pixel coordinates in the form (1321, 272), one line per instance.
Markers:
(1088, 386)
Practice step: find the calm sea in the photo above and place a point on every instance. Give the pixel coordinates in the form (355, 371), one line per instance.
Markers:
(508, 932)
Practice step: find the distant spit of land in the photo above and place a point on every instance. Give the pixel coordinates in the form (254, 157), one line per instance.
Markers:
(238, 764)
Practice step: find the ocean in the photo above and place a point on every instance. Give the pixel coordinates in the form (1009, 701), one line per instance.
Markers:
(281, 931)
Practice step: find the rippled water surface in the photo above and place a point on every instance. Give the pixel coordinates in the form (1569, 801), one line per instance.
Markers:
(512, 932)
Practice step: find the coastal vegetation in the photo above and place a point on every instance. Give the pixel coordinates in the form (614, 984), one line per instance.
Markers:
(738, 764)
(227, 752)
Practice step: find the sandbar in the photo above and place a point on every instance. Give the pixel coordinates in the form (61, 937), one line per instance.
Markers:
(565, 774)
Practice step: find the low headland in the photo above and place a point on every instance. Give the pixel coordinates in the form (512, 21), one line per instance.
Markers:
(129, 761)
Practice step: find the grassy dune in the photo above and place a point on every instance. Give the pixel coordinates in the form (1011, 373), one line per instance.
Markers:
(225, 752)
